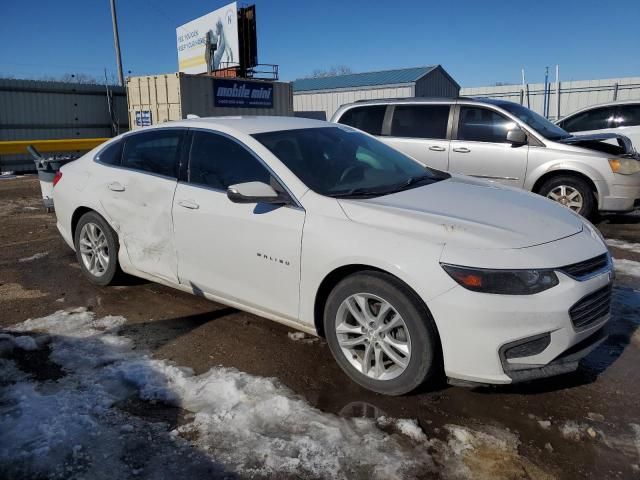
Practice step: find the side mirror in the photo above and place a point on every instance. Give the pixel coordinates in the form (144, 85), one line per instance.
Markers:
(516, 137)
(255, 192)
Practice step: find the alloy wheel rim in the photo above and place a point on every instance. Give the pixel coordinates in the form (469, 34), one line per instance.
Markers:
(567, 196)
(94, 249)
(372, 336)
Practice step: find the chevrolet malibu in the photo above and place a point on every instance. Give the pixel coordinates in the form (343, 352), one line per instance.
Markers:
(411, 274)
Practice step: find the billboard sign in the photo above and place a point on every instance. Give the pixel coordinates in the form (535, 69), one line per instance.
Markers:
(242, 94)
(221, 27)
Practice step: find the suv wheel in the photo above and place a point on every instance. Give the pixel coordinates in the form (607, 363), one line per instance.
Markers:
(380, 334)
(572, 192)
(96, 248)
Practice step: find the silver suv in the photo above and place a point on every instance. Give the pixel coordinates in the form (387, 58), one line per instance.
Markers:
(507, 143)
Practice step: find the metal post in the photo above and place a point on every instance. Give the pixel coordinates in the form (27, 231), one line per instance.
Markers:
(557, 92)
(528, 98)
(544, 97)
(116, 42)
(521, 96)
(615, 91)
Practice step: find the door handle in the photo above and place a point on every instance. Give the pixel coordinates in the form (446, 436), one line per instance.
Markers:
(437, 148)
(190, 204)
(116, 187)
(461, 150)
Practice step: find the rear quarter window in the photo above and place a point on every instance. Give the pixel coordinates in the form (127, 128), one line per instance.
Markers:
(367, 118)
(111, 155)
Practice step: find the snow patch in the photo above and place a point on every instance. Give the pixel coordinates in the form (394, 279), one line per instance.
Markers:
(627, 267)
(621, 244)
(302, 337)
(251, 425)
(33, 257)
(573, 430)
(236, 423)
(24, 341)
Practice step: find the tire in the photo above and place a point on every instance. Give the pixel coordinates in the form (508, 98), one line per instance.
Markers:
(103, 234)
(417, 333)
(554, 188)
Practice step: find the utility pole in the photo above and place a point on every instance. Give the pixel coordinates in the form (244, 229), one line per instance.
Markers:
(116, 42)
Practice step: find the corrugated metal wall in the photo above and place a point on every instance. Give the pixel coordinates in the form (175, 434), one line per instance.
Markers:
(330, 101)
(574, 95)
(436, 84)
(41, 110)
(174, 96)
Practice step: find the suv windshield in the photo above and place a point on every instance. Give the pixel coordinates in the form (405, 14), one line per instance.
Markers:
(341, 162)
(537, 122)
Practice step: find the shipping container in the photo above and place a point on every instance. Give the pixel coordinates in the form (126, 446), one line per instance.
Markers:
(156, 99)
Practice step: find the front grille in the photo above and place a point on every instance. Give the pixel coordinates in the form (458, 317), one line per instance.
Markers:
(591, 308)
(587, 267)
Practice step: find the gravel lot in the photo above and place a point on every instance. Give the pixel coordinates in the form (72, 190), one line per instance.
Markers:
(143, 381)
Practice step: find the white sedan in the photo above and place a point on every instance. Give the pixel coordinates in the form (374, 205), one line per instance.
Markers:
(409, 273)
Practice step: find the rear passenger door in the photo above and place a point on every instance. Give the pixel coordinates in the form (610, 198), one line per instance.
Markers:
(136, 191)
(480, 148)
(422, 132)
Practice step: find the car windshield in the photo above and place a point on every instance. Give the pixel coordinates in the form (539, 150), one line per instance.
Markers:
(537, 122)
(343, 162)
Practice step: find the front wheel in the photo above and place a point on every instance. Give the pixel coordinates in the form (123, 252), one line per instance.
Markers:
(572, 192)
(381, 334)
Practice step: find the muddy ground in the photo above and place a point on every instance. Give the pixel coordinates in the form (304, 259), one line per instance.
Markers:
(582, 425)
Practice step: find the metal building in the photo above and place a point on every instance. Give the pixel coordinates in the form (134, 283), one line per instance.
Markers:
(160, 98)
(565, 98)
(321, 97)
(43, 110)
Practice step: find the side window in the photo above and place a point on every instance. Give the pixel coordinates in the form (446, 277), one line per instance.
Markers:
(483, 125)
(112, 155)
(368, 119)
(595, 119)
(156, 151)
(218, 162)
(629, 115)
(420, 121)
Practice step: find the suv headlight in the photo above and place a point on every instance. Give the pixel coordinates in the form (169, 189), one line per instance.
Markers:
(624, 166)
(504, 282)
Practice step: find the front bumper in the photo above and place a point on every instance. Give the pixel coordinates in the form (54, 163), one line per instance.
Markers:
(476, 329)
(621, 198)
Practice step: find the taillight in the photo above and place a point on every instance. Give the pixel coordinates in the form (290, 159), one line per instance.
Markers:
(57, 177)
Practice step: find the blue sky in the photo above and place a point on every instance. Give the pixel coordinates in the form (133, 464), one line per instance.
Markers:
(477, 42)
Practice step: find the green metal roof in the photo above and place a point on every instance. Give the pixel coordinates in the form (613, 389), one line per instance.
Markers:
(355, 80)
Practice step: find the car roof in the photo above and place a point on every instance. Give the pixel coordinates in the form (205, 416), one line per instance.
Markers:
(249, 124)
(600, 105)
(413, 100)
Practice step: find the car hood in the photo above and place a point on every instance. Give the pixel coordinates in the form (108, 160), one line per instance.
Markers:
(468, 213)
(595, 141)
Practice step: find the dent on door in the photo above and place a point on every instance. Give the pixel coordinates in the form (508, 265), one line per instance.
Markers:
(140, 206)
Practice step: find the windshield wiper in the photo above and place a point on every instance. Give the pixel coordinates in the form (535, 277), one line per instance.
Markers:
(367, 192)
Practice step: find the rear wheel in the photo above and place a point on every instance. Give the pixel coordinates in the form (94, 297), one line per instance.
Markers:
(381, 334)
(97, 249)
(572, 192)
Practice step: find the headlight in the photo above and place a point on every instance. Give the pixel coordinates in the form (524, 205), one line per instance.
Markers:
(624, 166)
(504, 282)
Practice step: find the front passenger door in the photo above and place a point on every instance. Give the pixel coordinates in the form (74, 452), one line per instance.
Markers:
(247, 253)
(481, 149)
